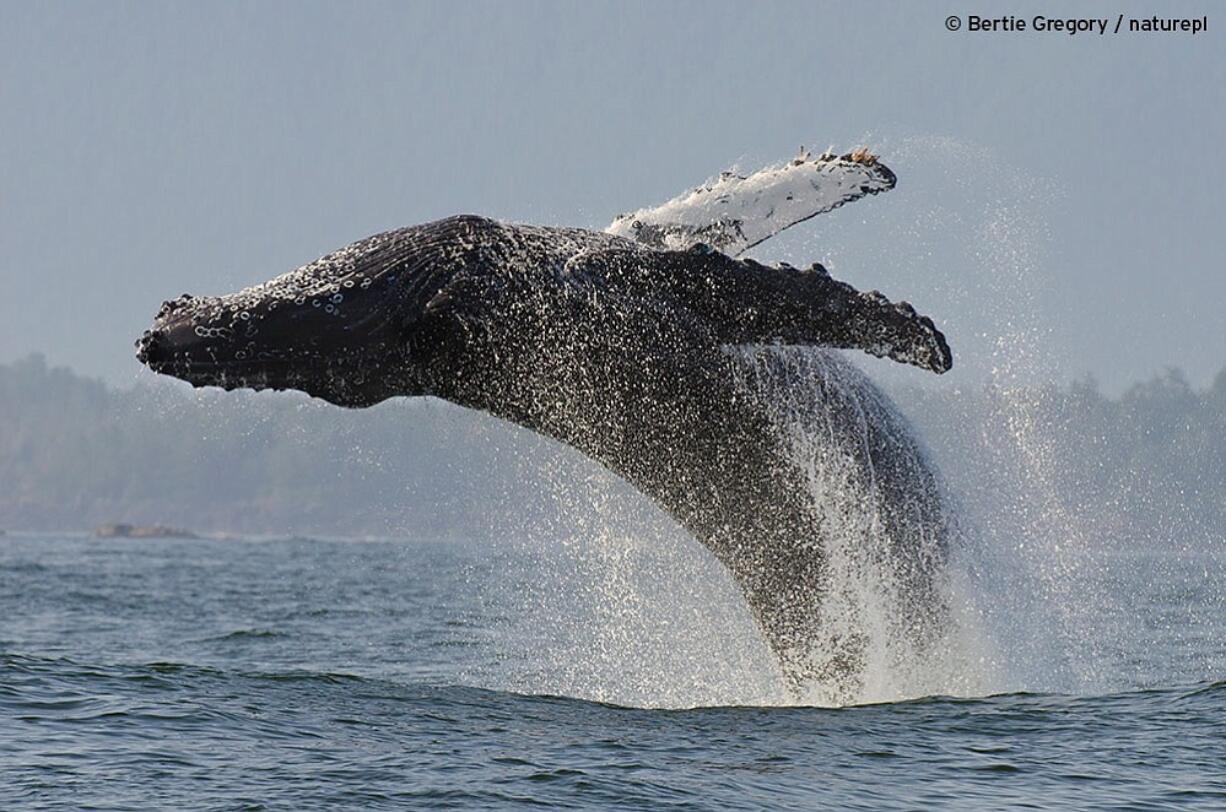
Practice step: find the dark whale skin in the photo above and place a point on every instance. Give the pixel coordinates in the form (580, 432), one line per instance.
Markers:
(632, 355)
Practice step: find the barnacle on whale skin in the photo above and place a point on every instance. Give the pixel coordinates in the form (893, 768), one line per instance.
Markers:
(861, 155)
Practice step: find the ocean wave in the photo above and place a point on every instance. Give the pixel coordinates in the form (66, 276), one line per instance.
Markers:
(55, 675)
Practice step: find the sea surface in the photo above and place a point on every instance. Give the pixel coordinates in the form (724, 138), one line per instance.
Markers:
(390, 674)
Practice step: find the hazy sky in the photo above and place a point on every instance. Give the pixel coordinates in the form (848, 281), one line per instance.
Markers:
(1070, 187)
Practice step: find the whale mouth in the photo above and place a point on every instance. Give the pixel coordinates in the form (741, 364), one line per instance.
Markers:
(166, 351)
(187, 344)
(207, 342)
(352, 386)
(155, 350)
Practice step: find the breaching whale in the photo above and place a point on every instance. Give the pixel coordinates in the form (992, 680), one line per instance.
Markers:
(637, 346)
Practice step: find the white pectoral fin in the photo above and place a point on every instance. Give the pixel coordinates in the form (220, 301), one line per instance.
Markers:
(733, 213)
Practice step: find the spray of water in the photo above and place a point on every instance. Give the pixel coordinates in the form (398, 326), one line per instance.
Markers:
(876, 611)
(1039, 541)
(1031, 568)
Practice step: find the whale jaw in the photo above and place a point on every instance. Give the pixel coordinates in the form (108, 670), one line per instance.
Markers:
(204, 341)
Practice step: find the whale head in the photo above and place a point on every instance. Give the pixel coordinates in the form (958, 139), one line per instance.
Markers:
(334, 329)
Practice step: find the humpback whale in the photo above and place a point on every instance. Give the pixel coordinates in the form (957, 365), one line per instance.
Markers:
(649, 347)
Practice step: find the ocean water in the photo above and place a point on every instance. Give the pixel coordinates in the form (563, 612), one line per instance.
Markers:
(626, 674)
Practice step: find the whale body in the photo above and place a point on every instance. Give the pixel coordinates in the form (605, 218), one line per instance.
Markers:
(667, 366)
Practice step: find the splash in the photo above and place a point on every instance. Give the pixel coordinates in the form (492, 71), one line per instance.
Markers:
(903, 635)
(1035, 539)
(628, 608)
(615, 603)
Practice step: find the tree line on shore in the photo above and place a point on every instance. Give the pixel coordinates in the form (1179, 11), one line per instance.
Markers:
(76, 453)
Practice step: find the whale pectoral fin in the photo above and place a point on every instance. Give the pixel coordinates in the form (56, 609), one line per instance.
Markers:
(734, 213)
(745, 302)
